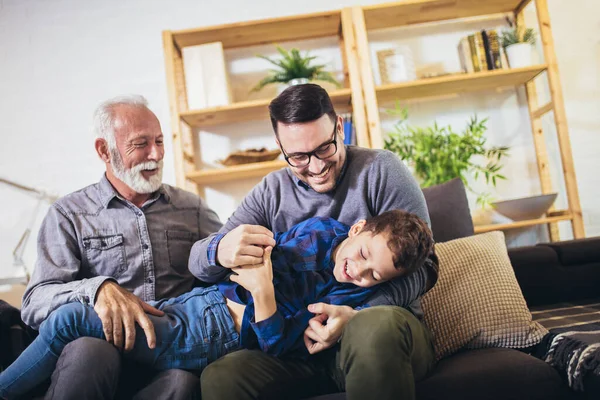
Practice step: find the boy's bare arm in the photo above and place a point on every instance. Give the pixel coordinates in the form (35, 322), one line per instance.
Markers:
(258, 280)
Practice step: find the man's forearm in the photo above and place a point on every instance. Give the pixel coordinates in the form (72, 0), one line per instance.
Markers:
(200, 266)
(41, 298)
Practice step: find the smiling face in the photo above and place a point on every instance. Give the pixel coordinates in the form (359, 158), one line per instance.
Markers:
(136, 156)
(364, 259)
(306, 137)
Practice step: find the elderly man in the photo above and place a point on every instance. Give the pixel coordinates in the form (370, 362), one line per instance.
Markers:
(115, 245)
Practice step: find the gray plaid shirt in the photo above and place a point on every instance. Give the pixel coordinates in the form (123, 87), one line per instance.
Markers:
(94, 234)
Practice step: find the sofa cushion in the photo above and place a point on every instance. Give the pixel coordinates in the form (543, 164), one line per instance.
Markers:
(477, 301)
(449, 210)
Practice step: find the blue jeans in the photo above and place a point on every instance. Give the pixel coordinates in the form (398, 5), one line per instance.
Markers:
(196, 330)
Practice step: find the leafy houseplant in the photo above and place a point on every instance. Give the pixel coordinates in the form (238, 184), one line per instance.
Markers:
(438, 154)
(517, 43)
(294, 65)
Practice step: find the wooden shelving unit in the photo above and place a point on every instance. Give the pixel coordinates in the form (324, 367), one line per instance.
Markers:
(189, 175)
(351, 26)
(389, 15)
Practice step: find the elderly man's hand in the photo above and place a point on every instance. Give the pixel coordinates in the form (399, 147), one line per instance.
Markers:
(244, 245)
(325, 329)
(119, 310)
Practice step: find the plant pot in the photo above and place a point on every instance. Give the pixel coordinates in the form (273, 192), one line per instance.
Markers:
(297, 81)
(519, 55)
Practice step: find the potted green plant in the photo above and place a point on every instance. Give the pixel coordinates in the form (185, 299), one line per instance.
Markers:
(517, 43)
(437, 154)
(293, 69)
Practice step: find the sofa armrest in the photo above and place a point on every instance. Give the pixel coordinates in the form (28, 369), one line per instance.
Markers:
(557, 272)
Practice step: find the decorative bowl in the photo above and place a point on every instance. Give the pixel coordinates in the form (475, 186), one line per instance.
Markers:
(525, 208)
(250, 156)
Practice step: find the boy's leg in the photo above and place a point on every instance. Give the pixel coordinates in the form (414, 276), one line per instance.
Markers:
(384, 351)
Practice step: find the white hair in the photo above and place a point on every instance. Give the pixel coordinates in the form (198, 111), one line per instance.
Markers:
(104, 116)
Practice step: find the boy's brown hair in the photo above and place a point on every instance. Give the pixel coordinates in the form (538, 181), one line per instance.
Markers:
(409, 237)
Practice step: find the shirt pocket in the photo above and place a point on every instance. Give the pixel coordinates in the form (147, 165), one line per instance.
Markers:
(179, 246)
(105, 255)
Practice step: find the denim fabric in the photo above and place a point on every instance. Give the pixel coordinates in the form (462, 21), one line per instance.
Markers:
(196, 329)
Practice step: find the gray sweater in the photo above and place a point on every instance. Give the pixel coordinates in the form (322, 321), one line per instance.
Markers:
(372, 182)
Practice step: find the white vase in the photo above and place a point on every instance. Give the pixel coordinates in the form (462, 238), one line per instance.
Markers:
(519, 55)
(297, 81)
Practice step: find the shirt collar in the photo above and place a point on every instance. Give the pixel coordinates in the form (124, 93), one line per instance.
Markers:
(307, 187)
(108, 192)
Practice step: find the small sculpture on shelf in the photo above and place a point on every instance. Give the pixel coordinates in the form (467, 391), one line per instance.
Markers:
(250, 156)
(293, 69)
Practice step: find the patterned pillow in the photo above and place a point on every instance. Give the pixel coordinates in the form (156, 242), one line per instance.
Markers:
(477, 301)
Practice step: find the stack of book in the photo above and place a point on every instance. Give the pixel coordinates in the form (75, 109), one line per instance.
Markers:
(481, 51)
(349, 135)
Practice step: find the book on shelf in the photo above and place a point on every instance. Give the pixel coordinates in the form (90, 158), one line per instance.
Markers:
(492, 49)
(349, 135)
(206, 80)
(480, 51)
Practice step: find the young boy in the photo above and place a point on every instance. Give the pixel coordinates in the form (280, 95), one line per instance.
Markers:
(262, 306)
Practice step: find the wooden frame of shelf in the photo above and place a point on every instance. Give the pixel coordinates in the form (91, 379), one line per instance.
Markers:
(336, 23)
(459, 83)
(411, 12)
(248, 111)
(549, 219)
(243, 171)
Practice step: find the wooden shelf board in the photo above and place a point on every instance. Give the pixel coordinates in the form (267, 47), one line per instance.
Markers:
(455, 84)
(563, 216)
(238, 172)
(266, 31)
(410, 12)
(247, 111)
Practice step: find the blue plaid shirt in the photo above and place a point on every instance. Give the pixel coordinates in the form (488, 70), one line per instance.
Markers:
(302, 275)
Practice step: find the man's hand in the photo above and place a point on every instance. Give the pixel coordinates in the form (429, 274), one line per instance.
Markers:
(119, 310)
(325, 329)
(255, 278)
(244, 246)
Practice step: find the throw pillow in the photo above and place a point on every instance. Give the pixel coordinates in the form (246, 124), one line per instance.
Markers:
(449, 210)
(477, 301)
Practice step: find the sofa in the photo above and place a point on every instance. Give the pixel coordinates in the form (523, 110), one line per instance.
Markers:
(547, 274)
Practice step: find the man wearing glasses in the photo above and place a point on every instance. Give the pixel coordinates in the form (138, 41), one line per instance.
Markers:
(378, 356)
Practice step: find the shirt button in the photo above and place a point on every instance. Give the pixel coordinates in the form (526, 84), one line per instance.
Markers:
(145, 246)
(149, 280)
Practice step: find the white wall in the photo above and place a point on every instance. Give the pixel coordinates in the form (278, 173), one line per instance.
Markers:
(60, 58)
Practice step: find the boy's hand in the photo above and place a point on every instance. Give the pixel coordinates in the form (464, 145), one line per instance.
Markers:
(244, 246)
(255, 278)
(325, 329)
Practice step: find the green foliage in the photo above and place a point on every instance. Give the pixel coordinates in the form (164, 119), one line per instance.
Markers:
(294, 65)
(437, 154)
(517, 35)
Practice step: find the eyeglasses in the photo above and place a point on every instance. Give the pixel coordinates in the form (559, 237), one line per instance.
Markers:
(326, 150)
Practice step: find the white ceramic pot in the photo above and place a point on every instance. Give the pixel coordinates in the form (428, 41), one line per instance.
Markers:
(519, 55)
(297, 81)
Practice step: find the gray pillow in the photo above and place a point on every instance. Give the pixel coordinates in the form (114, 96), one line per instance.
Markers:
(449, 211)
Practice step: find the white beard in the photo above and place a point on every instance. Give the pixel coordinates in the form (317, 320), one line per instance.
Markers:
(133, 177)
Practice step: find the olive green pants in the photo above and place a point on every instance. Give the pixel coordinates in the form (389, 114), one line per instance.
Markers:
(383, 351)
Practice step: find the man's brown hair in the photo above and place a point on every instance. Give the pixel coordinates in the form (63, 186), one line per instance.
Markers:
(409, 237)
